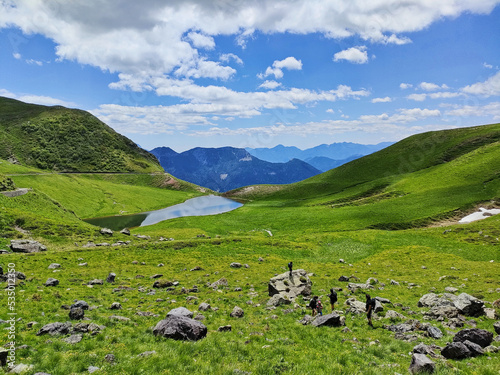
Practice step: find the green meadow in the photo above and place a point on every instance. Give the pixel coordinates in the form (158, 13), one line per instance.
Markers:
(392, 215)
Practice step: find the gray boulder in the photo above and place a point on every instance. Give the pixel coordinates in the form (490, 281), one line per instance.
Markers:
(291, 284)
(53, 266)
(76, 313)
(115, 306)
(422, 349)
(84, 305)
(391, 314)
(95, 282)
(218, 283)
(355, 306)
(54, 329)
(204, 306)
(469, 305)
(421, 364)
(51, 282)
(73, 339)
(237, 312)
(26, 246)
(434, 332)
(125, 231)
(330, 320)
(235, 265)
(455, 350)
(106, 231)
(180, 328)
(475, 335)
(474, 348)
(111, 277)
(180, 311)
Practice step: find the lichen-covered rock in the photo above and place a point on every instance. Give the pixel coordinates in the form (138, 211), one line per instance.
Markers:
(291, 284)
(180, 328)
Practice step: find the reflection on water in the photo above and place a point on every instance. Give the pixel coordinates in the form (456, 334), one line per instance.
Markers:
(200, 206)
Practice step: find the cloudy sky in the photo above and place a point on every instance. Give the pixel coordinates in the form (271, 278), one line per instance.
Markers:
(188, 73)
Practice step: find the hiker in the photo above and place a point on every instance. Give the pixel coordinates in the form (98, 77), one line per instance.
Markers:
(319, 308)
(370, 306)
(290, 266)
(313, 304)
(333, 298)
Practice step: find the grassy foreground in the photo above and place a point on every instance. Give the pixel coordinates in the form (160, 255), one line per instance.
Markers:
(382, 219)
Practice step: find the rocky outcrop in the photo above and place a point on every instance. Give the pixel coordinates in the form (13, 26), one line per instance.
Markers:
(290, 285)
(455, 350)
(26, 246)
(448, 305)
(54, 329)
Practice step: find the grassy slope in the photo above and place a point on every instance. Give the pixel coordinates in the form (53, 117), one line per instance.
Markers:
(66, 139)
(313, 223)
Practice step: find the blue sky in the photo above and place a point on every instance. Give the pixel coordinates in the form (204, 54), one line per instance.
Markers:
(194, 73)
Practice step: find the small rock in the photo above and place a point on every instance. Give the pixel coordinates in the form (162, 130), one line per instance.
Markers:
(51, 282)
(226, 328)
(125, 231)
(455, 350)
(235, 265)
(76, 313)
(496, 327)
(237, 312)
(53, 266)
(110, 358)
(111, 277)
(106, 231)
(421, 364)
(73, 339)
(92, 369)
(115, 306)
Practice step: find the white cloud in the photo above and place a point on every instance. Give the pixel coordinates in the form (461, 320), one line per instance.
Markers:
(329, 110)
(34, 62)
(417, 97)
(201, 40)
(490, 87)
(17, 55)
(357, 55)
(404, 86)
(427, 86)
(290, 63)
(270, 85)
(226, 57)
(488, 66)
(491, 110)
(382, 100)
(36, 99)
(128, 37)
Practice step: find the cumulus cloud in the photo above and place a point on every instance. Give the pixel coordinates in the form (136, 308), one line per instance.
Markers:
(427, 86)
(290, 63)
(227, 57)
(491, 110)
(201, 40)
(17, 55)
(404, 86)
(270, 85)
(490, 87)
(357, 55)
(382, 100)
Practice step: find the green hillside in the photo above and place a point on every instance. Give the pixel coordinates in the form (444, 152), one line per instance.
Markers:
(392, 216)
(63, 139)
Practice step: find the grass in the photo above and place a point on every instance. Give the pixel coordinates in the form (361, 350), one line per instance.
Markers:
(381, 214)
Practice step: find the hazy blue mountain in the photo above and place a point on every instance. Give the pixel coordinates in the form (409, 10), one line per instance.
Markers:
(227, 168)
(335, 151)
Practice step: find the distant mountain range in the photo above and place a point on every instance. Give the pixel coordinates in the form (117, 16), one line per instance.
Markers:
(226, 168)
(322, 157)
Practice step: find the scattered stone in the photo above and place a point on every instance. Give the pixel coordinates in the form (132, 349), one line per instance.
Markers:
(162, 284)
(111, 277)
(496, 327)
(180, 328)
(125, 231)
(235, 265)
(434, 332)
(237, 312)
(95, 282)
(469, 305)
(218, 283)
(119, 318)
(180, 311)
(330, 320)
(391, 314)
(53, 266)
(455, 350)
(84, 305)
(115, 306)
(394, 282)
(420, 363)
(156, 276)
(450, 289)
(197, 268)
(291, 284)
(278, 300)
(474, 348)
(204, 306)
(20, 369)
(344, 278)
(490, 313)
(110, 358)
(106, 231)
(226, 328)
(73, 339)
(26, 246)
(307, 319)
(83, 264)
(372, 281)
(475, 335)
(54, 329)
(355, 306)
(147, 354)
(51, 282)
(142, 237)
(92, 369)
(76, 313)
(422, 349)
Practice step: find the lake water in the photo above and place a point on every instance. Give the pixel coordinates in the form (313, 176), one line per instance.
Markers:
(199, 206)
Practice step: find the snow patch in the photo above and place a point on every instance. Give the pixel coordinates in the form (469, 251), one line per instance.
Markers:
(246, 158)
(483, 213)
